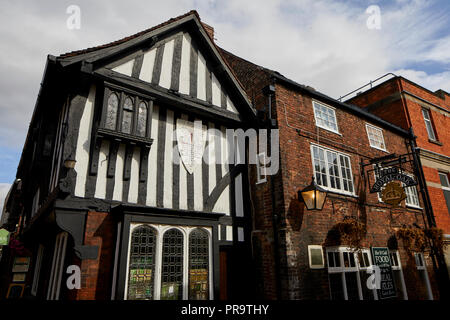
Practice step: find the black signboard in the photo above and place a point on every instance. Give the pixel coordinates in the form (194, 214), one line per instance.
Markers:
(391, 174)
(381, 258)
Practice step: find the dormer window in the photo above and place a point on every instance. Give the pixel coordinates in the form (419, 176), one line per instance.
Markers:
(126, 115)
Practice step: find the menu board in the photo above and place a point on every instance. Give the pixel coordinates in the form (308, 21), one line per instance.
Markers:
(381, 258)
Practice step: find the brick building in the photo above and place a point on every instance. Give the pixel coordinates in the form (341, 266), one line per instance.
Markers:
(334, 142)
(99, 188)
(409, 105)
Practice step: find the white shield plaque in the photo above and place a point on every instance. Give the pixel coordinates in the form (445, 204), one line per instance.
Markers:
(191, 138)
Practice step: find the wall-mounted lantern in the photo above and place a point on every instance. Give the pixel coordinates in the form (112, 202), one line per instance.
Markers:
(313, 196)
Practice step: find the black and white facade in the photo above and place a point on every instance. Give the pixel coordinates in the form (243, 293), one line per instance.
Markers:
(136, 134)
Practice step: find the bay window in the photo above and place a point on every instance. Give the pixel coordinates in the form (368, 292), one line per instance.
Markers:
(126, 115)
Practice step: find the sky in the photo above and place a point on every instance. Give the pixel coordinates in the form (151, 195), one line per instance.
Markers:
(334, 46)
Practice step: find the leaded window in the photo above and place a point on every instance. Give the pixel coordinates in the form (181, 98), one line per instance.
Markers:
(169, 263)
(172, 265)
(111, 112)
(198, 265)
(127, 117)
(142, 264)
(142, 119)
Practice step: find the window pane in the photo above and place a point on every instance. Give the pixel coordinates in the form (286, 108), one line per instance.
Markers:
(366, 259)
(331, 263)
(111, 112)
(337, 259)
(198, 265)
(352, 260)
(366, 292)
(361, 260)
(351, 282)
(316, 257)
(325, 117)
(127, 117)
(428, 125)
(346, 262)
(336, 287)
(172, 266)
(398, 284)
(444, 180)
(375, 136)
(447, 199)
(142, 264)
(142, 120)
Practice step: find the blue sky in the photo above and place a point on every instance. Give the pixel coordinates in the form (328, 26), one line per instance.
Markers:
(322, 43)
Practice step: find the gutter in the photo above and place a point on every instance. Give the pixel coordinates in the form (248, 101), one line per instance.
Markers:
(345, 106)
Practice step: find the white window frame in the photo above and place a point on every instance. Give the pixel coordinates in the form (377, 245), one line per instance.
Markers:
(160, 231)
(446, 178)
(364, 268)
(328, 187)
(422, 268)
(343, 270)
(310, 257)
(426, 114)
(321, 104)
(381, 136)
(400, 269)
(59, 255)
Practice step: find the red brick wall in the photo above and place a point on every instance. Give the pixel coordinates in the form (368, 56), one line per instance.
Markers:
(384, 101)
(96, 275)
(298, 227)
(377, 100)
(304, 227)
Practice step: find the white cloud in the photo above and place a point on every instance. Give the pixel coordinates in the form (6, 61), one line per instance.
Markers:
(322, 43)
(432, 82)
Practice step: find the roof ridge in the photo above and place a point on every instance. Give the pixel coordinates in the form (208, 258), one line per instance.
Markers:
(125, 39)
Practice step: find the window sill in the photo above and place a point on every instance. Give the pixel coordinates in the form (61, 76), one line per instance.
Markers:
(330, 130)
(338, 192)
(435, 142)
(123, 137)
(384, 150)
(411, 206)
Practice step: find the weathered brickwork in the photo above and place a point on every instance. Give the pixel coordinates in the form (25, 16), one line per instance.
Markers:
(96, 275)
(297, 227)
(401, 101)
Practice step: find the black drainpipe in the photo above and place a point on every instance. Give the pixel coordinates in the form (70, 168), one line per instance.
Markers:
(270, 123)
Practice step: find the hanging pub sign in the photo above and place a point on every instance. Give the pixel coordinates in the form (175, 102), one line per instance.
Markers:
(393, 194)
(391, 179)
(381, 258)
(391, 174)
